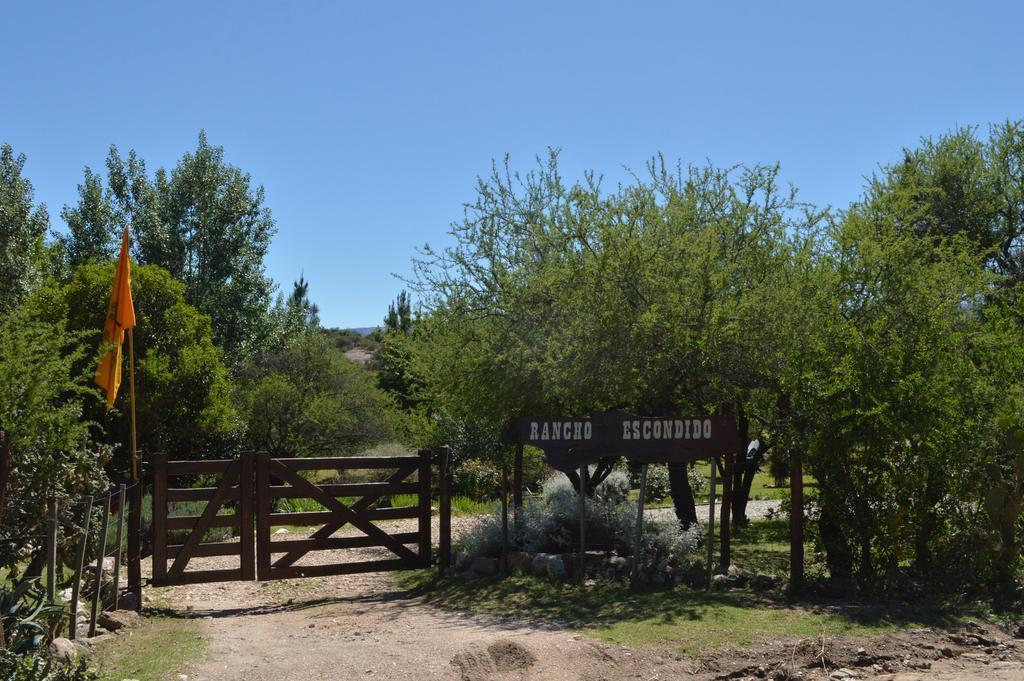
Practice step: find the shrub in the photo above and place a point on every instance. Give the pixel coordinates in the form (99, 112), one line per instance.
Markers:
(41, 412)
(38, 666)
(658, 486)
(551, 525)
(477, 479)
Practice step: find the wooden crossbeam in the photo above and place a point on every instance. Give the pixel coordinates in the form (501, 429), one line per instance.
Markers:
(224, 490)
(344, 514)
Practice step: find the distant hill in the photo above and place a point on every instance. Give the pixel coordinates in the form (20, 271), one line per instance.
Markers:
(364, 330)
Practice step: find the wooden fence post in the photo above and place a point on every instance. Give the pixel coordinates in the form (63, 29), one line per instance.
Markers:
(119, 537)
(76, 585)
(246, 536)
(100, 555)
(445, 512)
(134, 555)
(424, 499)
(158, 463)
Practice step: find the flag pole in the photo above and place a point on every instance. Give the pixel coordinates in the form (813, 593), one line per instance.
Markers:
(135, 509)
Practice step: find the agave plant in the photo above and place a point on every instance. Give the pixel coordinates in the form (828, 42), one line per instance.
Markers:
(37, 666)
(26, 614)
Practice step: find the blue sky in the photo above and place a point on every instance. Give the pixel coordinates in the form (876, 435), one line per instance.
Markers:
(368, 123)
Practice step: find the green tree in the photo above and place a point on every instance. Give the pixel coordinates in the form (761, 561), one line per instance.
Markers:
(23, 229)
(301, 306)
(183, 403)
(399, 317)
(203, 222)
(309, 399)
(44, 431)
(566, 299)
(92, 225)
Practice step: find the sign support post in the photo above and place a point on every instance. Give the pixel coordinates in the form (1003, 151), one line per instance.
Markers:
(711, 521)
(504, 519)
(637, 536)
(580, 567)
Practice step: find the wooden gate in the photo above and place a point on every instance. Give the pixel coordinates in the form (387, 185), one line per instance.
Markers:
(235, 488)
(348, 506)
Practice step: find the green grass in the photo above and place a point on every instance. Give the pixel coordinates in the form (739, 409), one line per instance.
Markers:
(683, 620)
(762, 487)
(160, 648)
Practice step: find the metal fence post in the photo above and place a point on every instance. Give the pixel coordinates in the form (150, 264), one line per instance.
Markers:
(76, 585)
(100, 555)
(51, 551)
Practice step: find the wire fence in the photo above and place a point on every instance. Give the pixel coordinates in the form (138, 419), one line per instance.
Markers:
(92, 551)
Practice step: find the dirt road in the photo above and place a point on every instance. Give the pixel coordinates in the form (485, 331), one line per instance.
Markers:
(366, 627)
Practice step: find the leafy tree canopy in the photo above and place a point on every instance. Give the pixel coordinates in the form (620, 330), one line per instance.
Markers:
(183, 403)
(23, 227)
(309, 399)
(203, 222)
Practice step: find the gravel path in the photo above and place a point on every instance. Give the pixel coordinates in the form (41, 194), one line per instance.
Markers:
(366, 627)
(757, 509)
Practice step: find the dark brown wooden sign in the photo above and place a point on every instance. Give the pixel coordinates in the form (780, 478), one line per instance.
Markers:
(570, 443)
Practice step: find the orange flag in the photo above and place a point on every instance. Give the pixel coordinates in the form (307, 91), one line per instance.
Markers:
(120, 316)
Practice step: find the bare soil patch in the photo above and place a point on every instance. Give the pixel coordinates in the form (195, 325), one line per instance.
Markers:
(367, 627)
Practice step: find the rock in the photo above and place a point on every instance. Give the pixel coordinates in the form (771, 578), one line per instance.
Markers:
(520, 562)
(842, 673)
(462, 560)
(118, 619)
(83, 647)
(548, 565)
(128, 601)
(619, 563)
(760, 582)
(737, 577)
(719, 583)
(107, 572)
(556, 568)
(696, 575)
(568, 564)
(281, 530)
(63, 650)
(838, 587)
(485, 566)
